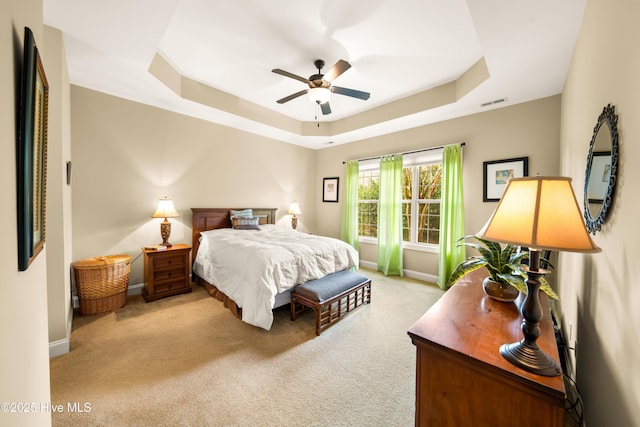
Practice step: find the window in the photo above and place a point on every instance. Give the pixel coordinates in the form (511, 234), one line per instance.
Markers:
(368, 193)
(421, 203)
(421, 189)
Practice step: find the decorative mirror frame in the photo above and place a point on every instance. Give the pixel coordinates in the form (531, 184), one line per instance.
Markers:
(609, 117)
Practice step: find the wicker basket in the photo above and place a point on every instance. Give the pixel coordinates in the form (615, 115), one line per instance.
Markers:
(102, 283)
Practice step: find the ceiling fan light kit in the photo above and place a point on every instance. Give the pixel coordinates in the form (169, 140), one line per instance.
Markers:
(319, 95)
(320, 87)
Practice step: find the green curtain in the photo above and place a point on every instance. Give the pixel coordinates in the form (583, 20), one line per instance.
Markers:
(390, 216)
(451, 213)
(349, 230)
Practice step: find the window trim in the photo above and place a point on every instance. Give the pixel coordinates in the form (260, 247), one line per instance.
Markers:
(415, 159)
(418, 247)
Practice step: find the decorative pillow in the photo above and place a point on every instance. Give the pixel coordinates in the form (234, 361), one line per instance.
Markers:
(243, 213)
(245, 223)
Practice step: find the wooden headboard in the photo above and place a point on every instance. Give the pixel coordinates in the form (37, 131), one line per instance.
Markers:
(204, 219)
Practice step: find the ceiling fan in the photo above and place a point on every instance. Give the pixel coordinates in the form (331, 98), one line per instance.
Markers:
(320, 87)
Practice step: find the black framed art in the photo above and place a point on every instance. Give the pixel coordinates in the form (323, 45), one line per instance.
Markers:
(31, 154)
(496, 174)
(330, 189)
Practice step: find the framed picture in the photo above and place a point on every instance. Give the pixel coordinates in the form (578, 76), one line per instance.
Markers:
(32, 155)
(330, 189)
(497, 173)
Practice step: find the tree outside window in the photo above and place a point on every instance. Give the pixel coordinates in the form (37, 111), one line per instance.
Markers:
(368, 195)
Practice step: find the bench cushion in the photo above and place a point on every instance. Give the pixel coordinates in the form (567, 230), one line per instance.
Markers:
(329, 286)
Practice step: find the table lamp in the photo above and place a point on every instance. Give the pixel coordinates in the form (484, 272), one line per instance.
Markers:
(294, 210)
(540, 213)
(165, 210)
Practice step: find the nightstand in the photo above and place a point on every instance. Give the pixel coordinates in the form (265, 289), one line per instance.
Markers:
(166, 272)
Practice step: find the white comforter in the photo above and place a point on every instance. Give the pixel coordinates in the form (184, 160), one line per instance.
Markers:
(251, 266)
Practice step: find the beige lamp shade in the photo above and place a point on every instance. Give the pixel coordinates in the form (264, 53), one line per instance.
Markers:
(294, 209)
(539, 213)
(165, 209)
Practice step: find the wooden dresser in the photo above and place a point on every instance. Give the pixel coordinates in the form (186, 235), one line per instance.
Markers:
(166, 272)
(461, 378)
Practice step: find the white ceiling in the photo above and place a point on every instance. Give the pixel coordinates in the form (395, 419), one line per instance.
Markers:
(397, 48)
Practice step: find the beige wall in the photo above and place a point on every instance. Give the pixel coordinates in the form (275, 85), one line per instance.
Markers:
(600, 292)
(24, 359)
(127, 155)
(525, 130)
(58, 194)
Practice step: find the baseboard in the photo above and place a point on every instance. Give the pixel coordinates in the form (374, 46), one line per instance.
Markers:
(408, 273)
(62, 346)
(135, 289)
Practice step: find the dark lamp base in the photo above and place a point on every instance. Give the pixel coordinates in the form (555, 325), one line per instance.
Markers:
(526, 353)
(531, 359)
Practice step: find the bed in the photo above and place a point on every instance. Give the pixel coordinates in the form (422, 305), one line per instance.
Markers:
(253, 271)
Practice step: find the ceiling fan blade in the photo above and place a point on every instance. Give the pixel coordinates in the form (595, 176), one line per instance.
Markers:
(292, 96)
(350, 92)
(290, 75)
(340, 67)
(326, 109)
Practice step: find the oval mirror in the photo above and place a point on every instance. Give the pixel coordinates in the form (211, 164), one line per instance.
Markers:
(602, 166)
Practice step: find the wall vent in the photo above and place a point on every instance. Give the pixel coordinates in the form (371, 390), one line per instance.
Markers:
(497, 101)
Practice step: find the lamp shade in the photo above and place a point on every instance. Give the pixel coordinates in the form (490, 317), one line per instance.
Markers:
(539, 213)
(165, 209)
(319, 95)
(294, 209)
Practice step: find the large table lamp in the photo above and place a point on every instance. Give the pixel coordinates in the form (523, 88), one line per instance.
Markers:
(165, 210)
(540, 213)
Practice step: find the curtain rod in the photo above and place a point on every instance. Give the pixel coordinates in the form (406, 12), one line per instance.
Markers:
(462, 144)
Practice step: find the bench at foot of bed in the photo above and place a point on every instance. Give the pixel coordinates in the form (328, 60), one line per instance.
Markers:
(331, 297)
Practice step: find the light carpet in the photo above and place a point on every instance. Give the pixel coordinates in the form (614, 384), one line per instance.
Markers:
(187, 361)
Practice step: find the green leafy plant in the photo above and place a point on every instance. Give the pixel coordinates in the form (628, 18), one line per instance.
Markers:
(504, 265)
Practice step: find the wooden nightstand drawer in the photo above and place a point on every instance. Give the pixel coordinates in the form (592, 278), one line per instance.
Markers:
(166, 272)
(171, 286)
(169, 275)
(168, 261)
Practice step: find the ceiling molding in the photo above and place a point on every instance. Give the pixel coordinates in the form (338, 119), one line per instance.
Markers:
(209, 96)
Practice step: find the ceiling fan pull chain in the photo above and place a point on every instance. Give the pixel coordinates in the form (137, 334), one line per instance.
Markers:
(317, 114)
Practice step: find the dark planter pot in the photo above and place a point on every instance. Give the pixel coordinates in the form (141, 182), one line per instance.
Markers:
(499, 291)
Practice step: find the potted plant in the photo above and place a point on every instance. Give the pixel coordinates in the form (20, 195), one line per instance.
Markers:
(504, 264)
